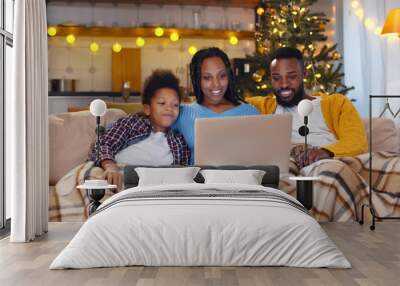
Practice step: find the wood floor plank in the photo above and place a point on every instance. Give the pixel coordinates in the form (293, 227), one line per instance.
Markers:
(375, 258)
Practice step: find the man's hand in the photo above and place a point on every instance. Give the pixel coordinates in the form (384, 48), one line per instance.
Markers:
(112, 173)
(314, 155)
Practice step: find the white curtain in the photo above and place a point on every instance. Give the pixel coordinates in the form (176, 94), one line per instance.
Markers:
(26, 117)
(371, 61)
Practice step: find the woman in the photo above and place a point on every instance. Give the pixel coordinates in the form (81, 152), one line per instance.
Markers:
(214, 87)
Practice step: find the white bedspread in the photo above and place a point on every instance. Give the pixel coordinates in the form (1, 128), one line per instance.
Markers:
(206, 230)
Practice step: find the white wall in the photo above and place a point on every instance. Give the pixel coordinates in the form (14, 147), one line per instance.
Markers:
(93, 71)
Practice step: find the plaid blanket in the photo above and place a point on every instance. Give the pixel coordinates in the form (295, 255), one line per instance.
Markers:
(344, 186)
(66, 202)
(338, 194)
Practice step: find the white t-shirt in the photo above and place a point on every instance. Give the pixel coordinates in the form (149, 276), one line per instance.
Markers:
(319, 135)
(154, 150)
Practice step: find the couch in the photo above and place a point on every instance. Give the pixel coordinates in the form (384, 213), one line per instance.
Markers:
(72, 135)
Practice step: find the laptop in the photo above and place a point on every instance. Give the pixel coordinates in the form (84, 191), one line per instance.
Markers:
(244, 140)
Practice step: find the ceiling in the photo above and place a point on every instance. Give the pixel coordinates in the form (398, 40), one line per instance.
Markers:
(224, 3)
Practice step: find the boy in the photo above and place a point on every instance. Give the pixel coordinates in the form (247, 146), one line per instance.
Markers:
(145, 138)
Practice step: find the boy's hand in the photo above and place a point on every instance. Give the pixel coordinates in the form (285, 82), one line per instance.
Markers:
(112, 173)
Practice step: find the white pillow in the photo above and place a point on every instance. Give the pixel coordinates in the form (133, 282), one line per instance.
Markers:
(164, 176)
(249, 177)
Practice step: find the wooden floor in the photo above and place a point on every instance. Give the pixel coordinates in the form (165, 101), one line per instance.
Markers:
(374, 255)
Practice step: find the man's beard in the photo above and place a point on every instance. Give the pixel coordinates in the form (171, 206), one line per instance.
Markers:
(298, 96)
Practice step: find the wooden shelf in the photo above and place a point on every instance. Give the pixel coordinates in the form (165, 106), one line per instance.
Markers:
(149, 32)
(221, 3)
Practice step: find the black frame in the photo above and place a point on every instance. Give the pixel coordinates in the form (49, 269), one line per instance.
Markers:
(370, 205)
(6, 39)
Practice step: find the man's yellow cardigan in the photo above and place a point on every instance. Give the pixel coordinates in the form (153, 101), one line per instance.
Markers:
(340, 116)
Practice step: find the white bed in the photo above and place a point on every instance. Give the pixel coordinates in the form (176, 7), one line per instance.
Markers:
(220, 225)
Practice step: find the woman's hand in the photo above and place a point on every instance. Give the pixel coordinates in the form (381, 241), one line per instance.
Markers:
(112, 173)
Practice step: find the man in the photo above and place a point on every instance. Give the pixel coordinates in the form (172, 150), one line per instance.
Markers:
(336, 128)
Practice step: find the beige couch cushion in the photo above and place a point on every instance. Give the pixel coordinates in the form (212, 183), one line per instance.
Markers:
(385, 135)
(71, 136)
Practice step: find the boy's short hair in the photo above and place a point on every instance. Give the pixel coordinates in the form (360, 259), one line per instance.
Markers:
(159, 79)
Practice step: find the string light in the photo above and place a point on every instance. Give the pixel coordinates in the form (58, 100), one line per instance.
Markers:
(369, 23)
(318, 75)
(378, 30)
(309, 66)
(159, 32)
(355, 4)
(233, 40)
(260, 11)
(360, 13)
(174, 36)
(192, 50)
(52, 31)
(116, 47)
(94, 47)
(140, 42)
(70, 39)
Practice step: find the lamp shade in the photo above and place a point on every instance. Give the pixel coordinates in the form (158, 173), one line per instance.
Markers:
(305, 107)
(98, 107)
(392, 23)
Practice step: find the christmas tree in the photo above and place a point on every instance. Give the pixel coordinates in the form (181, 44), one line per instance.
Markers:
(290, 23)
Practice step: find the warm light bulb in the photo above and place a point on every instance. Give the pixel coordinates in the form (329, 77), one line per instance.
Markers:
(260, 11)
(369, 23)
(309, 66)
(116, 47)
(328, 66)
(355, 4)
(318, 75)
(360, 13)
(70, 39)
(94, 47)
(192, 50)
(378, 30)
(233, 40)
(52, 31)
(140, 42)
(174, 36)
(275, 30)
(159, 31)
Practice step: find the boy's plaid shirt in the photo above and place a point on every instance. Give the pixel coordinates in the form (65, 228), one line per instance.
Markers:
(133, 129)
